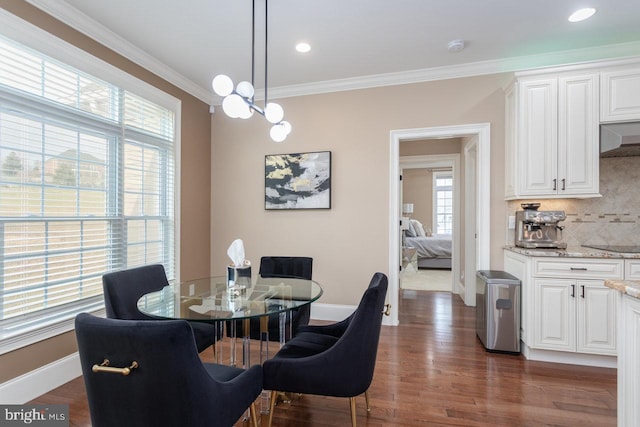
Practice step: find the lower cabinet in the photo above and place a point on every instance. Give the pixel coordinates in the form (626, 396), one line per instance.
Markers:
(574, 315)
(565, 306)
(629, 361)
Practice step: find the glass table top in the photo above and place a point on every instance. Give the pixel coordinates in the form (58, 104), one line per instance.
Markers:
(210, 298)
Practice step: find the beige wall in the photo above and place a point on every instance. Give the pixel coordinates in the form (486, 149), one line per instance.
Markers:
(195, 186)
(350, 241)
(417, 188)
(431, 147)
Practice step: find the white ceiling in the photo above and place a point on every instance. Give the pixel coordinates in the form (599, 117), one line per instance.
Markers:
(355, 43)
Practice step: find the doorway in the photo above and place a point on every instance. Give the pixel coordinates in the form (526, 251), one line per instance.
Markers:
(418, 174)
(482, 203)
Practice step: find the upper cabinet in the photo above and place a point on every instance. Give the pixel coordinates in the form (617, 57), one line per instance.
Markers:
(620, 91)
(552, 136)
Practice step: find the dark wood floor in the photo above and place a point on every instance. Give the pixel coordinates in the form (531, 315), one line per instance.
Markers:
(432, 370)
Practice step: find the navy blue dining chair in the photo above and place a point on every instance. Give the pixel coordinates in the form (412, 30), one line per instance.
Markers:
(122, 290)
(331, 360)
(148, 374)
(281, 266)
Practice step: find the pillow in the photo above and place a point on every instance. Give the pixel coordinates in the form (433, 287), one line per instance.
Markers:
(410, 231)
(418, 228)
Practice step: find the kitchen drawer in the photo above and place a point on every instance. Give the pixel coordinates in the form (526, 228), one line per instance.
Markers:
(632, 269)
(580, 268)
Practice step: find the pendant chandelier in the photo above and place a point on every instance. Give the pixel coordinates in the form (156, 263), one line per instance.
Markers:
(239, 102)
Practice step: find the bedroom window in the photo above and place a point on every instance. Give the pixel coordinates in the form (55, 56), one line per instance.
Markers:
(86, 187)
(443, 202)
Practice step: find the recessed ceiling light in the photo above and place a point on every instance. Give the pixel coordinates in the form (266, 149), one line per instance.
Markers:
(303, 47)
(582, 14)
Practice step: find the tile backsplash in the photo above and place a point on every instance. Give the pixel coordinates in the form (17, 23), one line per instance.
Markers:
(613, 218)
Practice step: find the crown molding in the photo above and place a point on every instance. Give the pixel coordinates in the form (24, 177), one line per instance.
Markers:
(589, 57)
(64, 12)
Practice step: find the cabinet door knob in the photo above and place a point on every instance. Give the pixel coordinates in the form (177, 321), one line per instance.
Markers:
(555, 181)
(564, 187)
(578, 268)
(582, 293)
(573, 291)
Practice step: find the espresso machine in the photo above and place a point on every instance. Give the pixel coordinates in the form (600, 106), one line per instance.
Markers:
(539, 229)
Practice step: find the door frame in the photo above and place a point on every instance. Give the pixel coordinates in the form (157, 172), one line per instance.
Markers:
(483, 132)
(471, 221)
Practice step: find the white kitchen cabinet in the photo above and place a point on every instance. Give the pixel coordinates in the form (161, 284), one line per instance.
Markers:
(552, 136)
(596, 318)
(620, 94)
(554, 314)
(537, 137)
(575, 315)
(566, 309)
(628, 361)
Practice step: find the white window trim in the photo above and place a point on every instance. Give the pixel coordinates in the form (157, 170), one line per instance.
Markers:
(38, 39)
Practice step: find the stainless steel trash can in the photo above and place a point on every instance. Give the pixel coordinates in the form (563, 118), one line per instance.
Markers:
(498, 311)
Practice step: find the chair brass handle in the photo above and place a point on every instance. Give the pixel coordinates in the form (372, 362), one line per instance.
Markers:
(104, 367)
(387, 310)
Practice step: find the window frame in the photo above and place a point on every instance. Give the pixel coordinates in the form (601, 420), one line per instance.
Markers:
(440, 175)
(38, 39)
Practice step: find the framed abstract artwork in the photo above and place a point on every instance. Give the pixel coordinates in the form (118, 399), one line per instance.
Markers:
(297, 181)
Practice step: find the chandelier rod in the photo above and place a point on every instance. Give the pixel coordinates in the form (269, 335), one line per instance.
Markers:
(266, 2)
(253, 44)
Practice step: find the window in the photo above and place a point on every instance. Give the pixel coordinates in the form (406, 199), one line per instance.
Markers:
(443, 202)
(86, 187)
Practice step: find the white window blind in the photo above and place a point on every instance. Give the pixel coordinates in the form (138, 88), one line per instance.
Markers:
(86, 187)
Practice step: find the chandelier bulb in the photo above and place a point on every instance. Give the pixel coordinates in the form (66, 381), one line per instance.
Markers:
(273, 112)
(222, 85)
(245, 89)
(245, 112)
(232, 105)
(286, 125)
(278, 133)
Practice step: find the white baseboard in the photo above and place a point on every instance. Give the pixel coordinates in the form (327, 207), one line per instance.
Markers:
(331, 312)
(27, 387)
(600, 361)
(338, 312)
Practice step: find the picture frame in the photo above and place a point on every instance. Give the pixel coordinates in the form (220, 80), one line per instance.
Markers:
(297, 181)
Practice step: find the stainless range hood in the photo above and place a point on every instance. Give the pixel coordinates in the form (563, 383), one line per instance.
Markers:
(620, 139)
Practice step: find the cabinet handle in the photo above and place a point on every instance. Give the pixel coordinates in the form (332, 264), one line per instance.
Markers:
(555, 181)
(573, 291)
(578, 268)
(582, 293)
(564, 187)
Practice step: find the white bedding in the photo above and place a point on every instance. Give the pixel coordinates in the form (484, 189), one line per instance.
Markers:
(435, 246)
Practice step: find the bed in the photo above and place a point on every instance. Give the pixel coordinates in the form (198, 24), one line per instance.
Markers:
(434, 251)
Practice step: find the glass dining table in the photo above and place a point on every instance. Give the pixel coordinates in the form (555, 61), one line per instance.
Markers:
(211, 300)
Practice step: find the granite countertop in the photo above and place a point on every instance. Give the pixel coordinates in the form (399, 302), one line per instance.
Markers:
(572, 252)
(629, 287)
